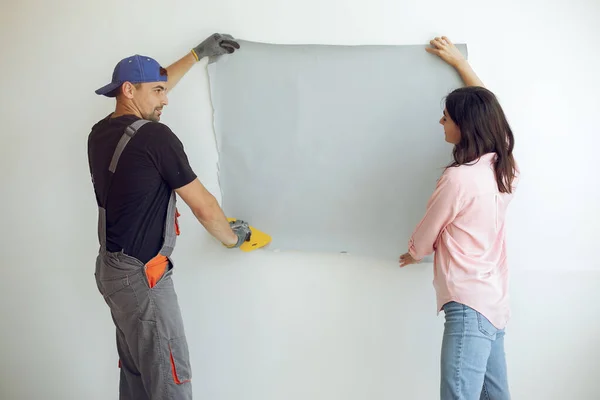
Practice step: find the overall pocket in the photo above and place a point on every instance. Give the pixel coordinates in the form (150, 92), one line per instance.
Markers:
(156, 270)
(119, 294)
(116, 274)
(180, 360)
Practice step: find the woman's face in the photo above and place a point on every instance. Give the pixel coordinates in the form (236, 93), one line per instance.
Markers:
(451, 130)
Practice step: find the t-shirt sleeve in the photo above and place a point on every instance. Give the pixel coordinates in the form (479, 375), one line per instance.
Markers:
(168, 155)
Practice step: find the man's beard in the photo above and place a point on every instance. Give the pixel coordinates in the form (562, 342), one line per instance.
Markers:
(154, 116)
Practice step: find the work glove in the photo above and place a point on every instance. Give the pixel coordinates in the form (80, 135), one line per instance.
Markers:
(215, 46)
(242, 230)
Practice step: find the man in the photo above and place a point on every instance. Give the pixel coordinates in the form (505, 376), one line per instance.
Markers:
(138, 166)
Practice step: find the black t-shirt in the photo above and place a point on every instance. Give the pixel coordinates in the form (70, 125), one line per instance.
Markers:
(153, 163)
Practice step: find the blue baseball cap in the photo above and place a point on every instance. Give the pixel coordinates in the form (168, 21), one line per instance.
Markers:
(134, 69)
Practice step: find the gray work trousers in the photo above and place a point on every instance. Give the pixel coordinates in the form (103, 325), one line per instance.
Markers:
(151, 342)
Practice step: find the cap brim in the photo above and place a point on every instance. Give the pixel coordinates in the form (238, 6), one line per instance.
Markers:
(108, 90)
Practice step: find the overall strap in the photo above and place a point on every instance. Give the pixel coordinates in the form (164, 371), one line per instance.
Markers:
(130, 132)
(170, 235)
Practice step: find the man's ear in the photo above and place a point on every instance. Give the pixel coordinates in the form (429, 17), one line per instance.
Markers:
(128, 90)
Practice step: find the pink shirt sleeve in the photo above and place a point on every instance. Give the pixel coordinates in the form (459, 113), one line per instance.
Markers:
(443, 206)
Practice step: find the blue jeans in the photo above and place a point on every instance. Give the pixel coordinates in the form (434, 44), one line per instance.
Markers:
(473, 365)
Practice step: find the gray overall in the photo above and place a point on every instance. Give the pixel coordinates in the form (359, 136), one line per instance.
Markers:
(151, 343)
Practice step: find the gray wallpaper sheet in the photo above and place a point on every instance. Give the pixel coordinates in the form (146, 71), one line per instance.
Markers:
(331, 148)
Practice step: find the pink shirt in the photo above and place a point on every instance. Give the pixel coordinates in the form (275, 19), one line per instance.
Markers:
(464, 225)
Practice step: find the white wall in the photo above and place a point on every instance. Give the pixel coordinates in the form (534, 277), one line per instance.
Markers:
(292, 326)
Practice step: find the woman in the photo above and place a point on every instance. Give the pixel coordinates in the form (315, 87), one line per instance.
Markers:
(464, 225)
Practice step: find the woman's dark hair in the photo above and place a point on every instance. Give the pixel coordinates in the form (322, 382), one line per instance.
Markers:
(483, 129)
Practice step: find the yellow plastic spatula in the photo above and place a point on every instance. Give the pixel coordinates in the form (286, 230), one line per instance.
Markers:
(257, 240)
